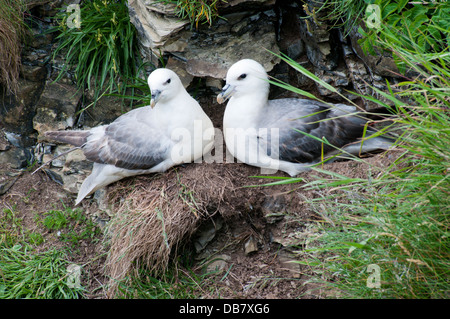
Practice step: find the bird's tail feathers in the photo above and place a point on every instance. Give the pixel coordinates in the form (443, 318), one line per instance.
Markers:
(75, 138)
(101, 176)
(369, 145)
(85, 189)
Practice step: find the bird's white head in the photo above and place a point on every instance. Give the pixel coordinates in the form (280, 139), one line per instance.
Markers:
(244, 77)
(164, 84)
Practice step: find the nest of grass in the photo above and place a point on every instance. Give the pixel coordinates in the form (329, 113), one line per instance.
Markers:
(155, 214)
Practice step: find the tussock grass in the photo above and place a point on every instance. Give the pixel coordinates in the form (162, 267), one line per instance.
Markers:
(103, 50)
(387, 236)
(153, 220)
(144, 233)
(12, 30)
(197, 11)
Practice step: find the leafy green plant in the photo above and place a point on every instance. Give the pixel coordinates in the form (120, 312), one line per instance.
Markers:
(83, 228)
(35, 239)
(139, 92)
(196, 10)
(36, 276)
(26, 273)
(73, 224)
(12, 229)
(416, 27)
(102, 50)
(342, 14)
(55, 220)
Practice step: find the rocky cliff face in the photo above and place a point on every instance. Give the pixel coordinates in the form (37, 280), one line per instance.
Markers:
(249, 28)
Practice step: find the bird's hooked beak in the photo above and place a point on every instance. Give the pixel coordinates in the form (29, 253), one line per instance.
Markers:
(155, 98)
(226, 93)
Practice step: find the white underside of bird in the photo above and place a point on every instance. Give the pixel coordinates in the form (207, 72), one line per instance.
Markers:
(268, 133)
(150, 139)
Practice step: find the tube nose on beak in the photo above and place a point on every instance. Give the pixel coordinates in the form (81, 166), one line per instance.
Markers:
(226, 93)
(155, 98)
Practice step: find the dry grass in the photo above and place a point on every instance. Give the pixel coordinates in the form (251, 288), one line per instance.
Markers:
(153, 218)
(12, 29)
(155, 215)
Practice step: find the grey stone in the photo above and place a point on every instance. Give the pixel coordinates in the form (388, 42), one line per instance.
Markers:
(248, 3)
(34, 73)
(16, 157)
(76, 163)
(382, 63)
(219, 263)
(206, 234)
(213, 50)
(209, 50)
(17, 112)
(295, 239)
(338, 79)
(250, 246)
(363, 78)
(56, 108)
(155, 24)
(274, 208)
(321, 48)
(7, 180)
(179, 67)
(104, 111)
(4, 143)
(53, 176)
(13, 138)
(68, 170)
(288, 263)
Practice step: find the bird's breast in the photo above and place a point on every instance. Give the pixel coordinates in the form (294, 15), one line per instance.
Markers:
(241, 114)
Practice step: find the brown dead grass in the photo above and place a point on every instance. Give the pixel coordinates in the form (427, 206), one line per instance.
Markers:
(155, 215)
(12, 29)
(153, 219)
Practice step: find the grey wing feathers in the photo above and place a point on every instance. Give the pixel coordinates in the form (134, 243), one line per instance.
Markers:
(127, 143)
(313, 118)
(137, 147)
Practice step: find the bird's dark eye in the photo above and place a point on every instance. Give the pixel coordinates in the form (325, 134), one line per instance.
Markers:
(168, 81)
(242, 76)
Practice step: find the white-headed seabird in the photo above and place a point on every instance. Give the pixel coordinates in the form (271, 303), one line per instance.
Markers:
(268, 133)
(174, 130)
